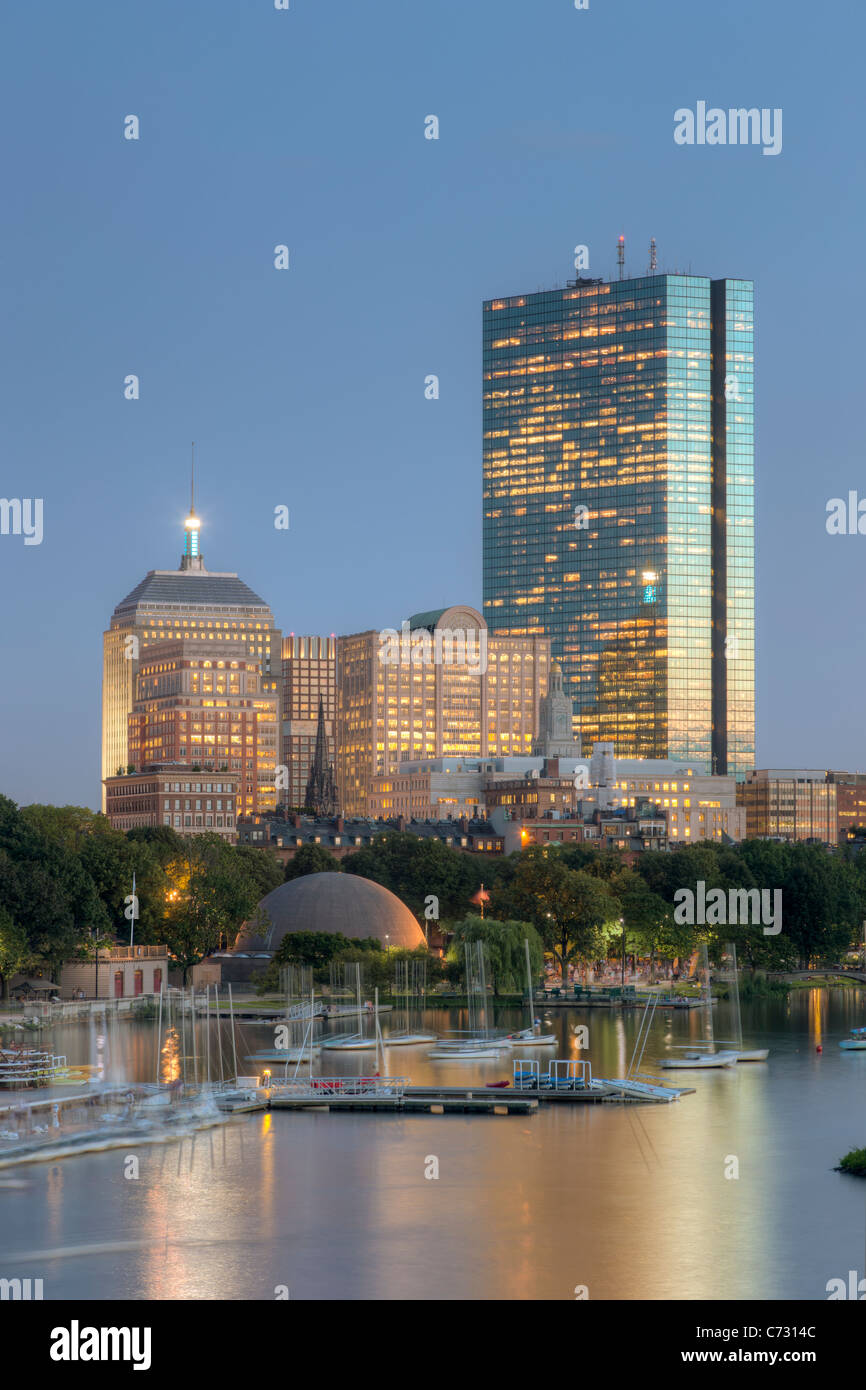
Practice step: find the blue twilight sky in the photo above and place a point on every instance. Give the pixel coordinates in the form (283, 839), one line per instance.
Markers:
(306, 387)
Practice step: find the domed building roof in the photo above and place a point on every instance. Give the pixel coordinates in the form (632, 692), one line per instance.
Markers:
(332, 902)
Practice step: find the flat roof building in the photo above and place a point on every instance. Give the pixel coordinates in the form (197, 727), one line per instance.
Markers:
(440, 686)
(619, 505)
(789, 804)
(172, 795)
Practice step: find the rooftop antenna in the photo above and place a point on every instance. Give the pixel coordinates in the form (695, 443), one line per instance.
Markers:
(653, 265)
(191, 559)
(620, 256)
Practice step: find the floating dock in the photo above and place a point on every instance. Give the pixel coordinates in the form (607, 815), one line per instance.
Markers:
(565, 1081)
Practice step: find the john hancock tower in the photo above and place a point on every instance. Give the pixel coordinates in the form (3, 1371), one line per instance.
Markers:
(619, 505)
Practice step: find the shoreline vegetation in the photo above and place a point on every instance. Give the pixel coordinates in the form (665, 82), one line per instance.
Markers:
(66, 876)
(853, 1163)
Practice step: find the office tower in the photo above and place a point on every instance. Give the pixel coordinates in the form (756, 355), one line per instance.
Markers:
(186, 603)
(789, 804)
(442, 686)
(202, 707)
(309, 674)
(618, 505)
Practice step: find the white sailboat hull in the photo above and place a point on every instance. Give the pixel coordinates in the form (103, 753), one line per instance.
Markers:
(350, 1045)
(276, 1055)
(409, 1039)
(754, 1054)
(469, 1054)
(699, 1061)
(529, 1039)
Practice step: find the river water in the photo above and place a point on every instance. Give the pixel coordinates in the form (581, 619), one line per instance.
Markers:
(625, 1201)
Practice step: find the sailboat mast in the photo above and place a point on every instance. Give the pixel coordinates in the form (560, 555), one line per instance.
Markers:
(709, 1001)
(158, 1037)
(234, 1044)
(738, 1017)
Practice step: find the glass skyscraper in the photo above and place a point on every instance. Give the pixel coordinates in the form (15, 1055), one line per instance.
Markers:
(619, 505)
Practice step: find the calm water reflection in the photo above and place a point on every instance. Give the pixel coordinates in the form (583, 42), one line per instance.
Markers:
(631, 1201)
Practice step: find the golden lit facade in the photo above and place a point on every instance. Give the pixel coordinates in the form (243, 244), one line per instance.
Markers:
(206, 710)
(190, 603)
(790, 804)
(480, 700)
(619, 505)
(694, 807)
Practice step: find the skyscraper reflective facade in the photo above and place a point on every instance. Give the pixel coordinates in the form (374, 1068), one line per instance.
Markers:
(619, 505)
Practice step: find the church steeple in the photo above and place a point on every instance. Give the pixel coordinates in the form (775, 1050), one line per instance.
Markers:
(191, 559)
(321, 797)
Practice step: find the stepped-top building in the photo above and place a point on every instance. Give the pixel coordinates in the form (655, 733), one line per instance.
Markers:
(191, 602)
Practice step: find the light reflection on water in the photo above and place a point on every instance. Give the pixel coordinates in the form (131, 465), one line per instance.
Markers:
(631, 1201)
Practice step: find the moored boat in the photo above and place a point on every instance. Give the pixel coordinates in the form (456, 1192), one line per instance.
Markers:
(528, 1037)
(691, 1061)
(466, 1052)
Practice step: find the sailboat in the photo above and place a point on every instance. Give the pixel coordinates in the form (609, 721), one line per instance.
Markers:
(358, 1041)
(479, 1042)
(531, 1036)
(300, 1012)
(694, 1059)
(411, 983)
(756, 1054)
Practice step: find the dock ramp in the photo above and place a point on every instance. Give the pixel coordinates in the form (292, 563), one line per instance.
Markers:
(644, 1090)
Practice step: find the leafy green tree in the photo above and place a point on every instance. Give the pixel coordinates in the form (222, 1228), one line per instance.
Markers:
(166, 844)
(647, 920)
(506, 951)
(214, 891)
(319, 948)
(567, 907)
(601, 863)
(69, 827)
(310, 859)
(416, 869)
(45, 890)
(15, 955)
(262, 867)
